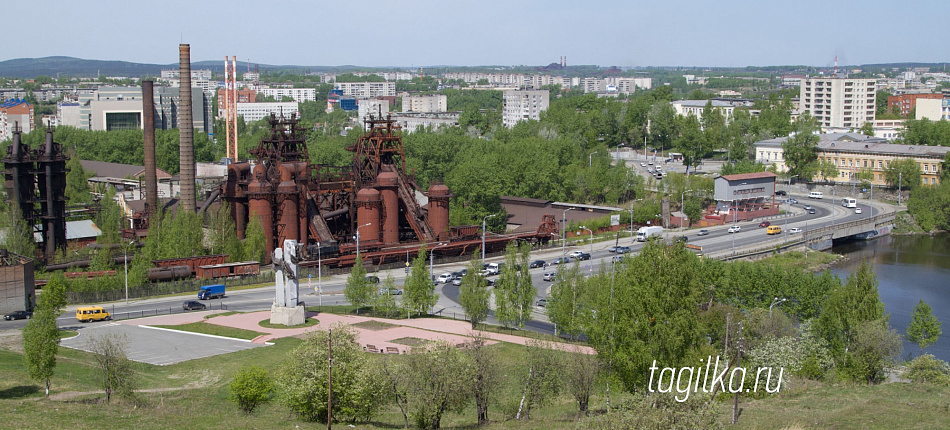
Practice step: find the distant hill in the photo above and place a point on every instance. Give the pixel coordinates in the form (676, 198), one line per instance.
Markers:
(78, 67)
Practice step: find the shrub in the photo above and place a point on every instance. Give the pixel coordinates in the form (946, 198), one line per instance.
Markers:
(250, 388)
(928, 369)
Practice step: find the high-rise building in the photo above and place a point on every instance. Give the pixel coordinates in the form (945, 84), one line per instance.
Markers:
(366, 90)
(522, 105)
(15, 113)
(839, 102)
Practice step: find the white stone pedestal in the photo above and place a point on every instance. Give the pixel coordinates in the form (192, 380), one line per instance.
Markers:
(286, 315)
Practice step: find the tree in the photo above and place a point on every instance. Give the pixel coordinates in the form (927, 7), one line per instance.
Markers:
(874, 348)
(384, 304)
(250, 388)
(924, 327)
(867, 129)
(801, 150)
(77, 187)
(514, 292)
(486, 375)
(580, 373)
(393, 373)
(691, 141)
(693, 209)
(441, 380)
(116, 372)
(419, 294)
(903, 173)
(526, 291)
(564, 304)
(543, 380)
(224, 238)
(928, 369)
(827, 169)
(41, 335)
(255, 247)
(19, 237)
(358, 290)
(474, 295)
(301, 383)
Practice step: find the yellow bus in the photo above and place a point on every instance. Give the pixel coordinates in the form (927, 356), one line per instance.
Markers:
(92, 313)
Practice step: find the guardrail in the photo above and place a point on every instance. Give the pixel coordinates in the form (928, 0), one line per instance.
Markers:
(157, 311)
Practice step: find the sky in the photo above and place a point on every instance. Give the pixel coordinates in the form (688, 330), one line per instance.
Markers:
(413, 33)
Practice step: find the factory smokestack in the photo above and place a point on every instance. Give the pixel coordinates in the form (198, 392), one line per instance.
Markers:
(186, 130)
(148, 123)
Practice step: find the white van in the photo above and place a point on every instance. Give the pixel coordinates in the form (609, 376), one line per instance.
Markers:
(816, 195)
(849, 202)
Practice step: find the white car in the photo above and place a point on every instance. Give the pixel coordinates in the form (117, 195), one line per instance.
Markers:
(734, 229)
(794, 230)
(857, 210)
(445, 278)
(575, 254)
(643, 164)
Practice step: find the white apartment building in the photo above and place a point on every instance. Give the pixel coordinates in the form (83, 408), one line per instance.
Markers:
(168, 75)
(298, 94)
(839, 102)
(366, 90)
(257, 111)
(412, 121)
(696, 107)
(615, 85)
(522, 105)
(430, 103)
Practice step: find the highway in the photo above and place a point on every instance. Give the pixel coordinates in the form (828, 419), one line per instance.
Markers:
(718, 239)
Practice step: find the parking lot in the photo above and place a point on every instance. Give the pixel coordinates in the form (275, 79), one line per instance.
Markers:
(158, 346)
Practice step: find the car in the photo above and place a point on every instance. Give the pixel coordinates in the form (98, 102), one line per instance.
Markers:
(457, 281)
(463, 272)
(794, 230)
(792, 201)
(536, 263)
(583, 256)
(807, 207)
(457, 275)
(857, 210)
(764, 224)
(541, 303)
(612, 249)
(734, 229)
(490, 282)
(683, 239)
(192, 305)
(643, 164)
(659, 168)
(623, 249)
(618, 258)
(445, 278)
(392, 291)
(703, 232)
(550, 276)
(575, 254)
(561, 260)
(18, 315)
(781, 193)
(372, 279)
(650, 163)
(811, 211)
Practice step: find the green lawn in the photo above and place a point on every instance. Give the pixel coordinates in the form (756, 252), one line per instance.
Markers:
(214, 329)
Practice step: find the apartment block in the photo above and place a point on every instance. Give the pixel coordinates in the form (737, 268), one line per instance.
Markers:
(366, 90)
(429, 103)
(908, 101)
(15, 113)
(839, 102)
(258, 111)
(520, 105)
(298, 94)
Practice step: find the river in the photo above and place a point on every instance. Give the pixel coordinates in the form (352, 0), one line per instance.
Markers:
(908, 268)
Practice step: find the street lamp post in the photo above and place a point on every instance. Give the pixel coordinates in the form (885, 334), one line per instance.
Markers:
(590, 159)
(320, 272)
(431, 257)
(591, 238)
(618, 152)
(358, 237)
(682, 208)
(735, 221)
(564, 231)
(483, 235)
(125, 258)
(632, 235)
(788, 206)
(900, 179)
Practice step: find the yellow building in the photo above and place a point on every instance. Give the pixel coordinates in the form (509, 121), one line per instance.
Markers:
(853, 157)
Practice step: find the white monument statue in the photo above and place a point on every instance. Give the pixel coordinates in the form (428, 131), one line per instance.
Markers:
(287, 310)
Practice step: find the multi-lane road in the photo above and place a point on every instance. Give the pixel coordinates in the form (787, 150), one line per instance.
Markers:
(717, 240)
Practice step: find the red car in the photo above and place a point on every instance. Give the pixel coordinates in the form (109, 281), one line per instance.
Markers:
(764, 224)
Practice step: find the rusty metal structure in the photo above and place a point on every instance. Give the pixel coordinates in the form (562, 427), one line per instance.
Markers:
(36, 183)
(329, 208)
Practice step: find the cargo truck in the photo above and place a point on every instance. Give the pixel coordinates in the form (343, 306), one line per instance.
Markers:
(211, 292)
(645, 233)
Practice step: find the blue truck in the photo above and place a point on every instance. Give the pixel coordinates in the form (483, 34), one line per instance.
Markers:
(211, 292)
